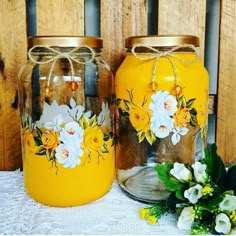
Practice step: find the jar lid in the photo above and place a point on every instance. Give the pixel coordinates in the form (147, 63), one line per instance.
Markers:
(65, 41)
(162, 40)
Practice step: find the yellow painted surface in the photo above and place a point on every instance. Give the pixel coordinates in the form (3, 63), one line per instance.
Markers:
(58, 186)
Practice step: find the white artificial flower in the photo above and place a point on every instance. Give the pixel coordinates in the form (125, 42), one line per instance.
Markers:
(228, 203)
(199, 171)
(180, 172)
(193, 193)
(186, 218)
(161, 125)
(177, 131)
(223, 224)
(163, 103)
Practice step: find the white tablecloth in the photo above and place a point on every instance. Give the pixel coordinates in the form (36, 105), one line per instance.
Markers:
(114, 214)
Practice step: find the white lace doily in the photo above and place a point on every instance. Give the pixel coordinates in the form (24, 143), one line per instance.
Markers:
(114, 214)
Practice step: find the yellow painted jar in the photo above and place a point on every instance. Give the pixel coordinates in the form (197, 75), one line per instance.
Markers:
(65, 96)
(162, 93)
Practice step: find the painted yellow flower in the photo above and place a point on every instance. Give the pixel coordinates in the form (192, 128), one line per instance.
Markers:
(93, 138)
(139, 118)
(50, 139)
(28, 143)
(181, 117)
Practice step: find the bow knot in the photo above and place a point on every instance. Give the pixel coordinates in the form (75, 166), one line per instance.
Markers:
(156, 54)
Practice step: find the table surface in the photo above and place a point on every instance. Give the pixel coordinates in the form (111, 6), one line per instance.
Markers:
(114, 214)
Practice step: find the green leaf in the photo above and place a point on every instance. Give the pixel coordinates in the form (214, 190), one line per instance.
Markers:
(127, 104)
(141, 136)
(50, 154)
(170, 182)
(180, 193)
(215, 166)
(92, 121)
(104, 148)
(230, 179)
(190, 102)
(39, 132)
(118, 100)
(41, 151)
(38, 141)
(182, 101)
(213, 203)
(83, 122)
(106, 137)
(150, 136)
(172, 200)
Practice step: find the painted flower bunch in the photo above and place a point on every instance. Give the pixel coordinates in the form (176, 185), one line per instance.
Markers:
(202, 194)
(65, 133)
(165, 115)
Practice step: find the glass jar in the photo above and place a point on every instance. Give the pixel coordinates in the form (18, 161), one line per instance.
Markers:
(65, 96)
(162, 93)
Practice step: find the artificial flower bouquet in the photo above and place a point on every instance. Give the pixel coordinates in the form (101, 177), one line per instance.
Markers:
(202, 194)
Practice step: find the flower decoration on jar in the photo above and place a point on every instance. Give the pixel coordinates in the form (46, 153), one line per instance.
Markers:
(165, 115)
(202, 195)
(65, 134)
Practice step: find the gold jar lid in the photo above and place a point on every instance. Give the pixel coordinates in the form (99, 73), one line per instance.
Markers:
(162, 40)
(65, 41)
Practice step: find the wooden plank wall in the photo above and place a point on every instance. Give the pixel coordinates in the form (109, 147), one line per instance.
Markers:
(118, 20)
(226, 114)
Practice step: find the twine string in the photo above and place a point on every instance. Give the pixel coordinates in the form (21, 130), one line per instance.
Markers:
(58, 54)
(169, 54)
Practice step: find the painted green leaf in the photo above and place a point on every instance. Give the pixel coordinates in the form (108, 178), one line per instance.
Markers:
(93, 121)
(150, 136)
(182, 101)
(50, 154)
(141, 136)
(39, 132)
(41, 151)
(104, 148)
(38, 141)
(190, 102)
(83, 122)
(127, 104)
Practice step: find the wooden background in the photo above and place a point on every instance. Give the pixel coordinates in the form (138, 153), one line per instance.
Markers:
(118, 20)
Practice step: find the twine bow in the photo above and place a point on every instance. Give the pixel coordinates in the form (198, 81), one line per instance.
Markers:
(68, 55)
(169, 55)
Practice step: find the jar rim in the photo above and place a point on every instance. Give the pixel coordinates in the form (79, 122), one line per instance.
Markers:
(162, 40)
(65, 41)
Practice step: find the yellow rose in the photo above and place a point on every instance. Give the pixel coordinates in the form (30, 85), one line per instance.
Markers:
(93, 138)
(182, 117)
(139, 118)
(28, 143)
(50, 139)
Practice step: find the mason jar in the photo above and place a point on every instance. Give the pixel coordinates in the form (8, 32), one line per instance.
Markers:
(161, 96)
(65, 96)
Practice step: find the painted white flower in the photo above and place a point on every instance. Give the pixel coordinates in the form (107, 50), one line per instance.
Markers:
(72, 132)
(194, 193)
(104, 118)
(55, 124)
(228, 203)
(186, 218)
(223, 224)
(51, 113)
(163, 102)
(76, 111)
(68, 155)
(177, 131)
(161, 125)
(180, 172)
(199, 171)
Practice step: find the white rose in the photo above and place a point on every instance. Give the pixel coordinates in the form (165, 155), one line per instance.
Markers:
(180, 172)
(193, 193)
(223, 224)
(186, 218)
(228, 203)
(199, 172)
